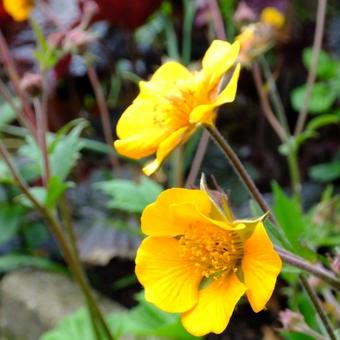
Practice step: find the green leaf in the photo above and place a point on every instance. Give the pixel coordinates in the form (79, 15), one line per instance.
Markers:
(10, 218)
(321, 99)
(47, 55)
(55, 189)
(76, 326)
(290, 218)
(128, 195)
(14, 261)
(39, 194)
(326, 172)
(66, 152)
(142, 320)
(6, 114)
(327, 66)
(322, 120)
(147, 320)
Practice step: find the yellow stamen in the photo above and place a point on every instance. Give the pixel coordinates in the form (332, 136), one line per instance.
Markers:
(212, 251)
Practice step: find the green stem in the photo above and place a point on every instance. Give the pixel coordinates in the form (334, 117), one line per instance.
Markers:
(318, 307)
(250, 185)
(74, 265)
(294, 174)
(189, 14)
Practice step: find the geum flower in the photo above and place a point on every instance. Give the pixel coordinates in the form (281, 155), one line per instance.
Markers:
(198, 260)
(19, 10)
(174, 102)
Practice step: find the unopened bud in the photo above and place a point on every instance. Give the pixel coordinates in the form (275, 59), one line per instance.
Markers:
(32, 84)
(78, 40)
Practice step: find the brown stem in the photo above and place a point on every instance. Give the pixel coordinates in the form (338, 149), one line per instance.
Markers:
(42, 136)
(298, 262)
(57, 232)
(13, 75)
(217, 19)
(320, 24)
(273, 121)
(104, 113)
(198, 159)
(318, 307)
(238, 167)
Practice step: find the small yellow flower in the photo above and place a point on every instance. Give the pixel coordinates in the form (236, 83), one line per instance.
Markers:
(272, 16)
(19, 10)
(258, 37)
(174, 102)
(198, 260)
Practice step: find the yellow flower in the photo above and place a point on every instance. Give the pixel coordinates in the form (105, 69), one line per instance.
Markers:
(198, 260)
(19, 10)
(258, 37)
(174, 102)
(273, 17)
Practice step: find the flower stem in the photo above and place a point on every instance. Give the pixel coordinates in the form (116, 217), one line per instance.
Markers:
(72, 261)
(250, 185)
(104, 113)
(300, 263)
(318, 307)
(320, 24)
(238, 167)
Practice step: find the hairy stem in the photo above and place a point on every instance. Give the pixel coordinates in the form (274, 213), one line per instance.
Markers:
(318, 307)
(72, 261)
(300, 263)
(104, 113)
(320, 24)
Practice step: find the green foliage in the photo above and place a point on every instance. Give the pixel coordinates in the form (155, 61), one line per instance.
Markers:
(326, 90)
(142, 320)
(128, 195)
(63, 151)
(6, 113)
(290, 218)
(321, 99)
(325, 172)
(10, 218)
(46, 54)
(15, 261)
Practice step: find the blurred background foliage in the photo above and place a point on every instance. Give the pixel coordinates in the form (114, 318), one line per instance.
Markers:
(104, 195)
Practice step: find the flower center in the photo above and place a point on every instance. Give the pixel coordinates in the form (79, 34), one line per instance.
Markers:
(213, 251)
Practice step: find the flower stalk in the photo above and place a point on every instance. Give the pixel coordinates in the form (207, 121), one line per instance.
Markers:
(70, 258)
(250, 185)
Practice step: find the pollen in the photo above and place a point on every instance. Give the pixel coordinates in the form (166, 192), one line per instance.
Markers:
(212, 252)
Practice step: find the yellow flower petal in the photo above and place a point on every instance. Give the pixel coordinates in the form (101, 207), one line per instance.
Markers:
(272, 16)
(169, 283)
(203, 114)
(261, 265)
(171, 71)
(164, 218)
(215, 306)
(229, 92)
(19, 10)
(218, 59)
(165, 147)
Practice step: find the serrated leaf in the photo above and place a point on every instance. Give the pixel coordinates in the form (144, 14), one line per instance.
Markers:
(128, 195)
(321, 99)
(46, 54)
(10, 218)
(326, 172)
(14, 261)
(290, 218)
(66, 152)
(55, 189)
